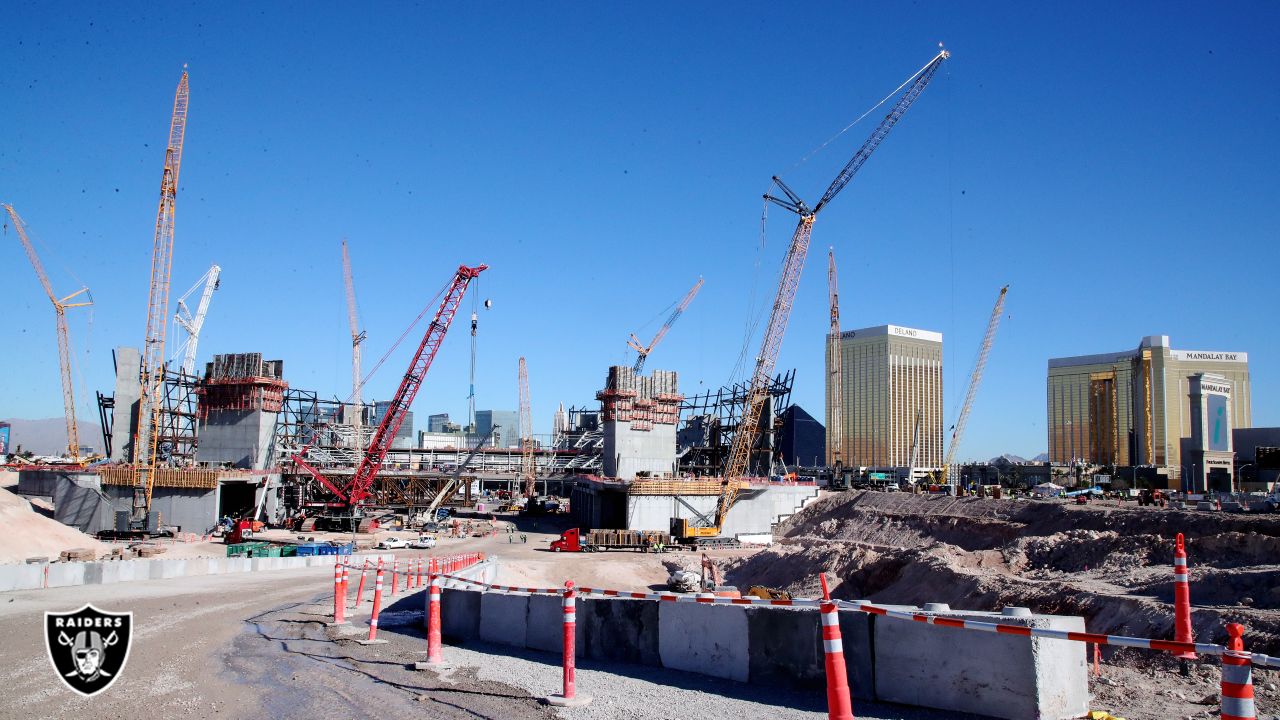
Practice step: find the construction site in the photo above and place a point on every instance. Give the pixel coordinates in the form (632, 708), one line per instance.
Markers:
(664, 552)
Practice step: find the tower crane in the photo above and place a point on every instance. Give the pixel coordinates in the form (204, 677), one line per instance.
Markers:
(748, 429)
(528, 463)
(643, 351)
(60, 306)
(151, 403)
(360, 486)
(835, 431)
(185, 352)
(974, 381)
(357, 337)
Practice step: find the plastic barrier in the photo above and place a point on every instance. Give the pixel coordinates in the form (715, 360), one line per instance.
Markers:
(360, 588)
(1182, 599)
(1237, 679)
(339, 603)
(568, 696)
(377, 605)
(395, 571)
(839, 706)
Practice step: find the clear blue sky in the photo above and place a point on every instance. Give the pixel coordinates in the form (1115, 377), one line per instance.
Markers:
(1116, 163)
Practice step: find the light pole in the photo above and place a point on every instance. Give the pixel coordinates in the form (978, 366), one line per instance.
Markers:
(1239, 473)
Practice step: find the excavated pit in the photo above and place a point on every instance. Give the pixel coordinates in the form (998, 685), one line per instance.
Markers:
(1111, 564)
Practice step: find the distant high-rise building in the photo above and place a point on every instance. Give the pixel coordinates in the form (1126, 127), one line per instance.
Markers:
(1133, 407)
(404, 436)
(560, 423)
(436, 423)
(508, 423)
(891, 377)
(803, 440)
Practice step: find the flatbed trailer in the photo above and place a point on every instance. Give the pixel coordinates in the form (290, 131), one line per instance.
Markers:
(575, 540)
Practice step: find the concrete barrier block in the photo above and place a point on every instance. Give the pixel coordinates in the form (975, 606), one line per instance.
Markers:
(998, 675)
(785, 647)
(131, 570)
(459, 614)
(63, 574)
(706, 639)
(859, 662)
(504, 619)
(617, 630)
(546, 625)
(21, 577)
(93, 573)
(197, 566)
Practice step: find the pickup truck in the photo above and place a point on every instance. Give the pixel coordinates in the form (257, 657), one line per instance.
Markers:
(392, 543)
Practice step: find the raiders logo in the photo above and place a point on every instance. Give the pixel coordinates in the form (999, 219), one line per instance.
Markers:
(88, 648)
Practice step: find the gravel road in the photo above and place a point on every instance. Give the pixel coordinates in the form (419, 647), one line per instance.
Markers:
(257, 645)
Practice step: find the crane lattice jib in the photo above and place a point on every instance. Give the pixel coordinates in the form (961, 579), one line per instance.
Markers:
(64, 342)
(643, 352)
(835, 433)
(193, 323)
(744, 439)
(976, 378)
(357, 337)
(528, 466)
(371, 464)
(152, 385)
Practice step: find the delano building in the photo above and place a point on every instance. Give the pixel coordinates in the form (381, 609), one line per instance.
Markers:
(1134, 406)
(891, 378)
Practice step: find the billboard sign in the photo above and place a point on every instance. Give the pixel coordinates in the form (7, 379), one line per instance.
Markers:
(4, 439)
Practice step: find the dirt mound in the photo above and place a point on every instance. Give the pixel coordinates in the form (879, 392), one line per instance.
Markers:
(1113, 565)
(30, 534)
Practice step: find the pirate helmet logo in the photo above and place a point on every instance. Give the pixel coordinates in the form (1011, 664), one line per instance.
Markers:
(88, 648)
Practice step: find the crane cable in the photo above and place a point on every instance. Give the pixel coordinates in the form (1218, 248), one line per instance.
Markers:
(426, 308)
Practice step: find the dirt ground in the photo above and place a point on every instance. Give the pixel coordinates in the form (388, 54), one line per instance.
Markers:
(1110, 564)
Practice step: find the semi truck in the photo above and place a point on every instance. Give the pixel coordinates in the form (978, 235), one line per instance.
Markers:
(574, 540)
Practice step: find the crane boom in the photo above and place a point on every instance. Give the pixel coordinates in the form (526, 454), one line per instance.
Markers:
(357, 337)
(371, 464)
(976, 378)
(748, 429)
(60, 306)
(451, 485)
(835, 431)
(151, 403)
(643, 351)
(192, 323)
(528, 463)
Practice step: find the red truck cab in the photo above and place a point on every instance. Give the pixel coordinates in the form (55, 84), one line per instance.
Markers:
(570, 541)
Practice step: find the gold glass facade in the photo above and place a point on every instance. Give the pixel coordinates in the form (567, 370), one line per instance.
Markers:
(1133, 407)
(890, 376)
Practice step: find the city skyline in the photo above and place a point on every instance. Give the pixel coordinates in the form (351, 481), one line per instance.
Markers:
(1027, 162)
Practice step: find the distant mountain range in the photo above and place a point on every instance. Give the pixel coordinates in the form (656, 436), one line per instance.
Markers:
(1018, 460)
(49, 435)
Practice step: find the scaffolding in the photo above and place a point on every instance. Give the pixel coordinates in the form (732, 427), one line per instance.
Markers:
(711, 422)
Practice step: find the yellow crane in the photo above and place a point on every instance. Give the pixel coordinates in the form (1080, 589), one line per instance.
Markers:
(60, 306)
(151, 403)
(835, 425)
(744, 440)
(974, 381)
(357, 337)
(528, 463)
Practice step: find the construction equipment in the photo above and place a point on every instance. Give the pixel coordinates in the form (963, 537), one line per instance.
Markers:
(748, 430)
(573, 540)
(451, 486)
(974, 381)
(185, 352)
(151, 402)
(355, 411)
(642, 351)
(60, 306)
(528, 463)
(359, 487)
(835, 425)
(915, 447)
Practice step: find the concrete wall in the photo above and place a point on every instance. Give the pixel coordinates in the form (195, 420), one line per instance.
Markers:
(755, 512)
(79, 502)
(997, 675)
(124, 418)
(62, 574)
(627, 452)
(239, 437)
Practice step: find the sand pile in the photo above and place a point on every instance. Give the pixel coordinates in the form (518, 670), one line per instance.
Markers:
(1111, 565)
(25, 533)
